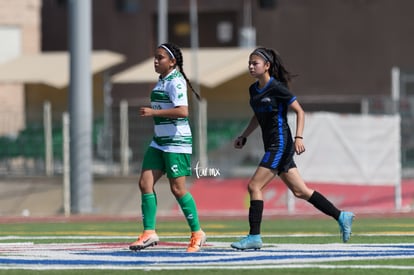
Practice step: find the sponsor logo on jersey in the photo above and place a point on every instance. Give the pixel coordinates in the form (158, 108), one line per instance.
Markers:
(266, 100)
(174, 168)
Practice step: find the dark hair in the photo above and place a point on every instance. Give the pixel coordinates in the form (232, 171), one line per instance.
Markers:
(178, 56)
(277, 68)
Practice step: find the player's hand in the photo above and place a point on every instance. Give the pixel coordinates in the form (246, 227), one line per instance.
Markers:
(146, 111)
(240, 142)
(299, 146)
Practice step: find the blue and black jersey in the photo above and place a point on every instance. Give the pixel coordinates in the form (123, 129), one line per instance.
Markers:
(270, 105)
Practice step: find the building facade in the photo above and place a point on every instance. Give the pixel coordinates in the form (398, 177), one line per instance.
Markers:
(20, 33)
(341, 50)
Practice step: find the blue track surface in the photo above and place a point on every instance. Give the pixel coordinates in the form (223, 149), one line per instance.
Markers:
(173, 255)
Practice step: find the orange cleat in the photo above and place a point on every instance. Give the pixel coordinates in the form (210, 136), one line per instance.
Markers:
(146, 239)
(197, 240)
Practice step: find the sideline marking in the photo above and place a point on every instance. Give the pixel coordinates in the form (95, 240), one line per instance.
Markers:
(215, 255)
(285, 266)
(178, 237)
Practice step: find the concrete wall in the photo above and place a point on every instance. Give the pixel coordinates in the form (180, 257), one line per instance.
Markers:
(23, 17)
(26, 15)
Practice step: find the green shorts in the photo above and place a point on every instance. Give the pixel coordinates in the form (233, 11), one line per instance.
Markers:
(173, 164)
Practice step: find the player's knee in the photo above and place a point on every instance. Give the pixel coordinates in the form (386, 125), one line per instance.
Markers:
(145, 188)
(250, 188)
(300, 194)
(177, 191)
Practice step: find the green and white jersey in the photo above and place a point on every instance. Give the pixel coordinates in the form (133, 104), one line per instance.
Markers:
(171, 134)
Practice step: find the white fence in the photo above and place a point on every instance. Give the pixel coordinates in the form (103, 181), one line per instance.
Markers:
(358, 149)
(342, 149)
(353, 149)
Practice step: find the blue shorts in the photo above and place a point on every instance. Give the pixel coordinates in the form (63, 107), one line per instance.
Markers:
(280, 161)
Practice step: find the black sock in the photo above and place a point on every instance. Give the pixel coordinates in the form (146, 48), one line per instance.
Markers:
(321, 203)
(255, 216)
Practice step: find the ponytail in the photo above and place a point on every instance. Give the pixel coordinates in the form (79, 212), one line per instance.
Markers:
(280, 71)
(277, 68)
(175, 52)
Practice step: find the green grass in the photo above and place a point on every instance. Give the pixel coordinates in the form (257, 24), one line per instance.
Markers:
(394, 229)
(275, 230)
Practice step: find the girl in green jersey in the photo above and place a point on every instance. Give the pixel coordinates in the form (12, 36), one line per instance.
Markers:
(170, 150)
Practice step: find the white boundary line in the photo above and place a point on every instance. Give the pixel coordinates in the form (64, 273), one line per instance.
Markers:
(105, 237)
(33, 251)
(246, 267)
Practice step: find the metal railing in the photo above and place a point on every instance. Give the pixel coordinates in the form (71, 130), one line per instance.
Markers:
(39, 148)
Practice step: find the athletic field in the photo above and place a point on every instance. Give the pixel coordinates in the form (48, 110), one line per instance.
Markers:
(292, 245)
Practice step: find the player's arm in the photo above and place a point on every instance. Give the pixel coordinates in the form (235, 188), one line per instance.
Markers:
(300, 124)
(177, 112)
(241, 140)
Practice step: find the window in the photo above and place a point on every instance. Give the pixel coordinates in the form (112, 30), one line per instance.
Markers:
(128, 6)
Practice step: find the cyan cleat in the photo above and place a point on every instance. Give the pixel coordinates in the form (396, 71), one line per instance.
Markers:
(249, 242)
(345, 224)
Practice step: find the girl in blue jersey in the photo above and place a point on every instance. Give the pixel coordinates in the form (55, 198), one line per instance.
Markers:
(270, 99)
(170, 150)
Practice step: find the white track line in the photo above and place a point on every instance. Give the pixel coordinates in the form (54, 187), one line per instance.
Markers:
(105, 237)
(238, 267)
(107, 255)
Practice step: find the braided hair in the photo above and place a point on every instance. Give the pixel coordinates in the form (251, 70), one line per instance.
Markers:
(175, 52)
(277, 68)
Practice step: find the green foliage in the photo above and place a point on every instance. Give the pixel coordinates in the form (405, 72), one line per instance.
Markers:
(220, 132)
(30, 142)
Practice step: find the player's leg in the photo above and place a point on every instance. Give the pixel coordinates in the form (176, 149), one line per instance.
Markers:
(149, 197)
(186, 202)
(295, 183)
(180, 167)
(149, 236)
(152, 171)
(260, 179)
(189, 209)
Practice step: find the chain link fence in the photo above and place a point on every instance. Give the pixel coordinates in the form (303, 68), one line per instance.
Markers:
(119, 144)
